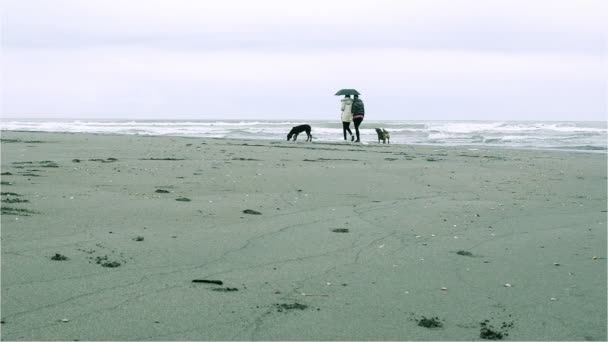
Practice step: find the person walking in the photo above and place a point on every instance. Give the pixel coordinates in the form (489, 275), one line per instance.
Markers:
(347, 116)
(358, 110)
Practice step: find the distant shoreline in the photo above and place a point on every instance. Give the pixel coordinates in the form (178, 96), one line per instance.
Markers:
(333, 143)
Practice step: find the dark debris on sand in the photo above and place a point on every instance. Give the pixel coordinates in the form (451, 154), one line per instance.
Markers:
(225, 289)
(108, 160)
(432, 322)
(295, 306)
(16, 211)
(464, 253)
(111, 264)
(208, 281)
(59, 257)
(183, 199)
(340, 230)
(104, 262)
(14, 200)
(488, 332)
(251, 212)
(162, 159)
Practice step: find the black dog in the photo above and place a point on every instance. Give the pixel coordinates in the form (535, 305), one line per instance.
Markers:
(297, 130)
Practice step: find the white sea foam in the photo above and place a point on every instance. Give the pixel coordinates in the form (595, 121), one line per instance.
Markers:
(558, 135)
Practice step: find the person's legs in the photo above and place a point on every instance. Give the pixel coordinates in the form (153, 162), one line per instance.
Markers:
(357, 122)
(346, 128)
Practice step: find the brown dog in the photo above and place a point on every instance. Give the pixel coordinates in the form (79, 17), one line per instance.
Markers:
(383, 135)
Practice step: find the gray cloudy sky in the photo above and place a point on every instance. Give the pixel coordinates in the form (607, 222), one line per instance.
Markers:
(274, 59)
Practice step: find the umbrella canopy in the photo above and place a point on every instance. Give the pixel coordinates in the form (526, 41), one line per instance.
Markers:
(348, 92)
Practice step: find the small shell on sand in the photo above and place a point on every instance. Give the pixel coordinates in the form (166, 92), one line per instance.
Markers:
(444, 289)
(508, 285)
(594, 258)
(65, 320)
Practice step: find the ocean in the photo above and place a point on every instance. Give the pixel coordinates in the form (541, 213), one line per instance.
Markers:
(560, 135)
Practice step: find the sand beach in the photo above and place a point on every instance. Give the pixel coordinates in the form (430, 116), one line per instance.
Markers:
(117, 237)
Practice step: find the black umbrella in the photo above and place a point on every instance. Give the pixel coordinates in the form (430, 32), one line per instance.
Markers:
(348, 92)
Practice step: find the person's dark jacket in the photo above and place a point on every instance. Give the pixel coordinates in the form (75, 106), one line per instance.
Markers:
(358, 108)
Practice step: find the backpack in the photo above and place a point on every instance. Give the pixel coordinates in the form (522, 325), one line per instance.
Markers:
(358, 107)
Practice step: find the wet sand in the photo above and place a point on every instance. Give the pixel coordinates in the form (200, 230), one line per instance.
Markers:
(162, 238)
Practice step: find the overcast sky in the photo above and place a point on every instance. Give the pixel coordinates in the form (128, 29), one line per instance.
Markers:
(267, 59)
